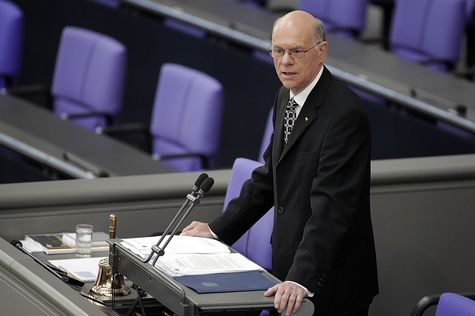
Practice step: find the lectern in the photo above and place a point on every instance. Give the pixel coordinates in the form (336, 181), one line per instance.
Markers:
(178, 298)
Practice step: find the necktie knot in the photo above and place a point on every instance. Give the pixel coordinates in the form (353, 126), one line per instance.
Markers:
(292, 104)
(289, 118)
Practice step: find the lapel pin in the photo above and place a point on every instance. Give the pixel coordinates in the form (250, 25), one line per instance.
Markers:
(306, 119)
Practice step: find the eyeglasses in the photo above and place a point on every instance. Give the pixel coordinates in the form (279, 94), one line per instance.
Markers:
(293, 53)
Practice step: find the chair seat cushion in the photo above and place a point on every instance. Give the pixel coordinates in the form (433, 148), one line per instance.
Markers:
(70, 107)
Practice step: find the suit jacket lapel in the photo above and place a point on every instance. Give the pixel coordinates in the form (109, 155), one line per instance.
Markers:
(308, 114)
(279, 127)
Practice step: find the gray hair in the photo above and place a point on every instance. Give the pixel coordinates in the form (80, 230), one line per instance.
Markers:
(320, 34)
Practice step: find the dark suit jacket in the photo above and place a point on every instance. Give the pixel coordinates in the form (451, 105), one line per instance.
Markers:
(319, 183)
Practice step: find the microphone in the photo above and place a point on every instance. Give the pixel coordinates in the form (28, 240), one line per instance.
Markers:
(205, 186)
(54, 270)
(202, 185)
(198, 183)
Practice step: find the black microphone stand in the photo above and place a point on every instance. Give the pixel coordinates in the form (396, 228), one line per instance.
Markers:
(204, 183)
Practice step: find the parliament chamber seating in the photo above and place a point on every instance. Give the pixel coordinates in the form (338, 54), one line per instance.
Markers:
(447, 304)
(429, 32)
(255, 243)
(89, 77)
(186, 118)
(185, 124)
(11, 38)
(266, 136)
(343, 17)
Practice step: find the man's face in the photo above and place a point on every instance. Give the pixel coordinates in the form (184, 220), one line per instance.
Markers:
(297, 72)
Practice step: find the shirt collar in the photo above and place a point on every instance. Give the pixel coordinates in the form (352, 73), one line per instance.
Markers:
(301, 97)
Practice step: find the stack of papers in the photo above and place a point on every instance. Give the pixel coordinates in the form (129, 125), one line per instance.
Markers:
(83, 269)
(186, 255)
(178, 245)
(196, 264)
(60, 243)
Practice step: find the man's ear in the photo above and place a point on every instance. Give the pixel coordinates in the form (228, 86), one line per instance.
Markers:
(323, 51)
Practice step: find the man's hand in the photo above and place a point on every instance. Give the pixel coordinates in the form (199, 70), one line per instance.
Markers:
(197, 229)
(288, 296)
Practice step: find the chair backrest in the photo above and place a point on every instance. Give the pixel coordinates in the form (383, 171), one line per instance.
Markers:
(345, 17)
(186, 115)
(426, 30)
(11, 38)
(266, 136)
(255, 243)
(451, 304)
(89, 75)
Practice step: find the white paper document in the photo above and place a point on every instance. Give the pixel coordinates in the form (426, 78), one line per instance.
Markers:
(179, 244)
(84, 269)
(187, 255)
(193, 264)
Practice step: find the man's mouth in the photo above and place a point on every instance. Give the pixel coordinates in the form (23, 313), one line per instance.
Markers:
(288, 73)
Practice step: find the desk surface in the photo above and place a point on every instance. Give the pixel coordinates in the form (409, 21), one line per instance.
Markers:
(415, 86)
(180, 299)
(66, 147)
(27, 288)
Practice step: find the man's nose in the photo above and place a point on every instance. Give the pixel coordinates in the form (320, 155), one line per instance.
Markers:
(286, 58)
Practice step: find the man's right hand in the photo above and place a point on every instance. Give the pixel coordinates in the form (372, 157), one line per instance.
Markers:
(197, 229)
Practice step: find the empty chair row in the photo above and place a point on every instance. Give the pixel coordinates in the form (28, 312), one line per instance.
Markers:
(88, 85)
(426, 31)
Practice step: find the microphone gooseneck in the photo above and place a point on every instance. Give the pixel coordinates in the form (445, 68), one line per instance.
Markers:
(202, 185)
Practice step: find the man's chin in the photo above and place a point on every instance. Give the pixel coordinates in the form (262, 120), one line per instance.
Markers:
(289, 84)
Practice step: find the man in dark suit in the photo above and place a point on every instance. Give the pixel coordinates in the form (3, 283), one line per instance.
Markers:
(317, 175)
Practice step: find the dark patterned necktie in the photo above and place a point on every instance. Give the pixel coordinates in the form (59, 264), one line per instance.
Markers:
(289, 118)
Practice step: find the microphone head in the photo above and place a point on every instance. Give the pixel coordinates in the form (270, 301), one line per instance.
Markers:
(198, 182)
(206, 185)
(16, 244)
(200, 179)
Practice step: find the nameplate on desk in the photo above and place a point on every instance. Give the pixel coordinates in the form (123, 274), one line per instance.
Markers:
(227, 282)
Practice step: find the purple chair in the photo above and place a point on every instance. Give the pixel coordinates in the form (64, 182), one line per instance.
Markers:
(343, 17)
(255, 243)
(89, 77)
(266, 136)
(428, 31)
(186, 118)
(11, 36)
(451, 304)
(448, 304)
